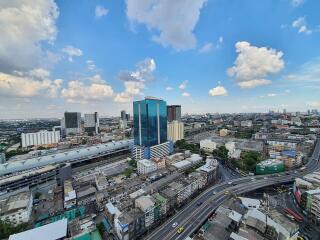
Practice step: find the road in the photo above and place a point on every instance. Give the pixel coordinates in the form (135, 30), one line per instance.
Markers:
(192, 216)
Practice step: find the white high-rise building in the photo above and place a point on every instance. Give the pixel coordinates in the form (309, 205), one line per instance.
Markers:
(175, 130)
(40, 138)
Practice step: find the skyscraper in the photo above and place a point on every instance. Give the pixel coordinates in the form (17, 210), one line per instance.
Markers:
(150, 122)
(174, 113)
(123, 115)
(72, 123)
(150, 129)
(91, 123)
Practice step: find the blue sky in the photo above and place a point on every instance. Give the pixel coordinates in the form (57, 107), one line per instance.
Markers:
(208, 56)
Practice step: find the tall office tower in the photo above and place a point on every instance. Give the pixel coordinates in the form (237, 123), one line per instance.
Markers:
(174, 113)
(72, 123)
(123, 115)
(127, 116)
(91, 123)
(150, 129)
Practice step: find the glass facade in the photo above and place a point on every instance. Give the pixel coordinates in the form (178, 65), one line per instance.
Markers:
(150, 122)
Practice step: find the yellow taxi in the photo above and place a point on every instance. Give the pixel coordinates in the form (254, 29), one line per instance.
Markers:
(180, 230)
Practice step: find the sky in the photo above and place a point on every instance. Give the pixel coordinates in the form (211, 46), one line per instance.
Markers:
(207, 55)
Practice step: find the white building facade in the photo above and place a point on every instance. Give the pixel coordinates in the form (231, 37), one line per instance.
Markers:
(40, 138)
(145, 166)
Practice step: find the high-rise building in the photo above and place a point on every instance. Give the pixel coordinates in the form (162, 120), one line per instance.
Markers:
(127, 116)
(150, 122)
(72, 123)
(91, 123)
(175, 130)
(173, 113)
(123, 115)
(150, 128)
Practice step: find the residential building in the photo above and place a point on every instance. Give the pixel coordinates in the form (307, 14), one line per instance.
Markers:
(17, 209)
(145, 166)
(175, 130)
(160, 162)
(223, 132)
(208, 145)
(71, 123)
(246, 123)
(174, 113)
(41, 138)
(146, 205)
(91, 123)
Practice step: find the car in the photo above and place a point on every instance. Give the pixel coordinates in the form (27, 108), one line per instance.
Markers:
(180, 230)
(214, 193)
(265, 178)
(199, 203)
(226, 192)
(230, 183)
(174, 224)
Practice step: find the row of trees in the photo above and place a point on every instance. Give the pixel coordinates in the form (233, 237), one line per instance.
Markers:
(7, 229)
(183, 145)
(247, 161)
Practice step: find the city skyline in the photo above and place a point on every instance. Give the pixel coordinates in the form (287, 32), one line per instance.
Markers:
(101, 56)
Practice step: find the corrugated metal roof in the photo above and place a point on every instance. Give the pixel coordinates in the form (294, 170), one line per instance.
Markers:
(67, 156)
(52, 231)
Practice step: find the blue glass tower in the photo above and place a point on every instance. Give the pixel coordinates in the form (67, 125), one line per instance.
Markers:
(150, 122)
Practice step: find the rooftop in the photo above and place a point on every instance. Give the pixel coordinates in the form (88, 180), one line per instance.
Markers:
(52, 231)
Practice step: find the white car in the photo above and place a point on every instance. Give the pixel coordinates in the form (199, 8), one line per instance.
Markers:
(174, 224)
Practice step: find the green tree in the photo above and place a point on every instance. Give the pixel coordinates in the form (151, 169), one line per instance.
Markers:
(7, 229)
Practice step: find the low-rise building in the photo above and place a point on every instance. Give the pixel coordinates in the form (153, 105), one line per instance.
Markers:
(70, 197)
(146, 166)
(146, 205)
(17, 208)
(208, 145)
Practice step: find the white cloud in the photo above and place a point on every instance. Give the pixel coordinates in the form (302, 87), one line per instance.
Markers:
(221, 39)
(29, 84)
(135, 81)
(24, 25)
(287, 91)
(186, 94)
(183, 85)
(169, 88)
(72, 52)
(91, 65)
(207, 47)
(271, 94)
(296, 3)
(123, 97)
(144, 71)
(101, 11)
(173, 22)
(253, 64)
(218, 91)
(254, 83)
(78, 91)
(97, 79)
(301, 25)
